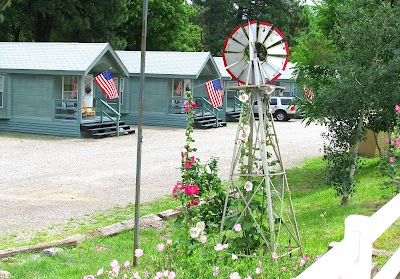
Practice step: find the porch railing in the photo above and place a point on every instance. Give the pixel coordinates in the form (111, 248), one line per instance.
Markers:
(66, 109)
(176, 105)
(205, 107)
(237, 104)
(109, 113)
(352, 257)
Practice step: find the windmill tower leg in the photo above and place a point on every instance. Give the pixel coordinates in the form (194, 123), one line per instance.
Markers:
(276, 223)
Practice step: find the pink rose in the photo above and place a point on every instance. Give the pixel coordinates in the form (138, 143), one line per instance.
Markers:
(398, 108)
(392, 159)
(187, 165)
(178, 189)
(192, 190)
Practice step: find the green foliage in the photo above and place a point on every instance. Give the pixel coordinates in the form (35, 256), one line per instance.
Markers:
(219, 18)
(351, 69)
(200, 189)
(3, 5)
(168, 26)
(390, 163)
(65, 21)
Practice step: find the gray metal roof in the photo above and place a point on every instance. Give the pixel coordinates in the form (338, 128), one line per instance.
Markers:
(288, 74)
(158, 63)
(221, 67)
(77, 57)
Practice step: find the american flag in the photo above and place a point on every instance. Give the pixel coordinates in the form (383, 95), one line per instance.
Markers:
(178, 89)
(308, 93)
(107, 84)
(214, 91)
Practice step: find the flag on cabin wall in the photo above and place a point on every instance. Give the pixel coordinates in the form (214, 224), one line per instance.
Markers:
(187, 84)
(214, 91)
(107, 84)
(178, 89)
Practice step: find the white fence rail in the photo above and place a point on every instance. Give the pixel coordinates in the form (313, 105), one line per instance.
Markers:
(352, 257)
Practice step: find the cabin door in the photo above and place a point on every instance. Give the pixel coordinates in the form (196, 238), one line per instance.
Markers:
(87, 94)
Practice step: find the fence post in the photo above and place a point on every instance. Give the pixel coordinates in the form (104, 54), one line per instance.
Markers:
(357, 236)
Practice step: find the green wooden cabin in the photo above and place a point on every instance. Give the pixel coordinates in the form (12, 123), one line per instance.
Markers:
(44, 85)
(167, 76)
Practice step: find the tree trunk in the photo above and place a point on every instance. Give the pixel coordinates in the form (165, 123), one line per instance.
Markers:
(355, 156)
(43, 27)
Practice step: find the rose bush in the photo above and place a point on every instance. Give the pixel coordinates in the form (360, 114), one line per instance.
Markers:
(390, 163)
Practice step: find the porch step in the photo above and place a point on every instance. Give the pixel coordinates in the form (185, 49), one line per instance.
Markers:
(105, 129)
(207, 121)
(233, 116)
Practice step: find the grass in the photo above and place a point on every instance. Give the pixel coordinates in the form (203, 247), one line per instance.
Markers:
(319, 215)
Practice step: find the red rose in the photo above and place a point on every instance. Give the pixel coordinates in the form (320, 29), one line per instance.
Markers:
(194, 202)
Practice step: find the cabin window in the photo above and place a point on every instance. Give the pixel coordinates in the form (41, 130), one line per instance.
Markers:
(121, 90)
(1, 90)
(70, 87)
(180, 87)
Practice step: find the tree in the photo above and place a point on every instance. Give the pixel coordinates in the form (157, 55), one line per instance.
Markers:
(64, 20)
(355, 81)
(218, 18)
(4, 4)
(168, 26)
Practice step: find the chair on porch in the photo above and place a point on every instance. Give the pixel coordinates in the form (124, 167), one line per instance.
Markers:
(88, 111)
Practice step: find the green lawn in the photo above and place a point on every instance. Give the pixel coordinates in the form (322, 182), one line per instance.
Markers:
(319, 215)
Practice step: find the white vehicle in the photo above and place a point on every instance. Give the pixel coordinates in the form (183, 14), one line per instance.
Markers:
(281, 108)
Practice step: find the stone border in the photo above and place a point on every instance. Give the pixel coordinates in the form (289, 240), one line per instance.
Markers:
(147, 221)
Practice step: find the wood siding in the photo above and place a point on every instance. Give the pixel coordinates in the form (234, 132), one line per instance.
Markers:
(43, 127)
(32, 96)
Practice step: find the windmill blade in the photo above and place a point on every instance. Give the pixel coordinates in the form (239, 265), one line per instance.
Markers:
(231, 58)
(271, 71)
(233, 46)
(236, 69)
(281, 49)
(239, 35)
(263, 31)
(277, 62)
(275, 36)
(246, 75)
(253, 26)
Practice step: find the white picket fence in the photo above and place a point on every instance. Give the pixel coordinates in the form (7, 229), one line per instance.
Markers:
(352, 257)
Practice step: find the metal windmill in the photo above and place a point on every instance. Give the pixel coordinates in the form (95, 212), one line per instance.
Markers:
(258, 190)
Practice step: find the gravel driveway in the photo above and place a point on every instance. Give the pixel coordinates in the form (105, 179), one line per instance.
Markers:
(43, 182)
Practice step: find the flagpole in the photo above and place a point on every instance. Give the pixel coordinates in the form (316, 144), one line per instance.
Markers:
(139, 136)
(206, 82)
(95, 77)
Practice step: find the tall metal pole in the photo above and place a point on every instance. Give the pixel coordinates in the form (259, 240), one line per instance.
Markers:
(139, 135)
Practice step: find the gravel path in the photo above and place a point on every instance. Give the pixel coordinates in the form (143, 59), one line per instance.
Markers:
(43, 182)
